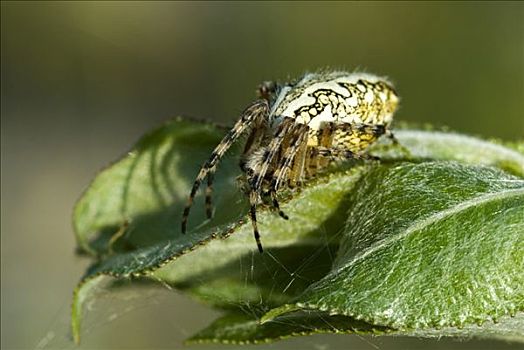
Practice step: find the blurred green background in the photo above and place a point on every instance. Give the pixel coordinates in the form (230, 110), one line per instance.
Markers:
(81, 81)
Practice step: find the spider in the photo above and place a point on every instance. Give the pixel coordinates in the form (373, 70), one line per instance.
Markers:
(296, 129)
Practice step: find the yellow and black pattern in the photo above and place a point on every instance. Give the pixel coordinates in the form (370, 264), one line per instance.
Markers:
(296, 130)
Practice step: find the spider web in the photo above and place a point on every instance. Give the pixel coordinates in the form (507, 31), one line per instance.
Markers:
(140, 314)
(143, 314)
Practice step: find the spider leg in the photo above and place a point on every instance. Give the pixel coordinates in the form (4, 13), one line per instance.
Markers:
(367, 134)
(270, 152)
(356, 137)
(284, 164)
(341, 153)
(375, 130)
(325, 136)
(260, 171)
(274, 200)
(362, 134)
(253, 139)
(300, 135)
(297, 168)
(251, 114)
(271, 191)
(209, 193)
(253, 198)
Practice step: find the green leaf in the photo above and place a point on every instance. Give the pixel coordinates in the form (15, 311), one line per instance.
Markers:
(427, 245)
(235, 328)
(146, 188)
(129, 219)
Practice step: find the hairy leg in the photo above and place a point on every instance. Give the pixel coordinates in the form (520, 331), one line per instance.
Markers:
(362, 129)
(258, 109)
(342, 154)
(296, 175)
(325, 136)
(209, 193)
(337, 142)
(300, 133)
(259, 170)
(296, 134)
(368, 133)
(276, 205)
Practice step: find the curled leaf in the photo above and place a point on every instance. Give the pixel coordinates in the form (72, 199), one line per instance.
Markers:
(412, 246)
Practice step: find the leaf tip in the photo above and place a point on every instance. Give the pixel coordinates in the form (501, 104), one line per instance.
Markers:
(76, 316)
(80, 294)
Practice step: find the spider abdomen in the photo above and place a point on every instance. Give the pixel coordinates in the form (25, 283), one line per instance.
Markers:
(337, 97)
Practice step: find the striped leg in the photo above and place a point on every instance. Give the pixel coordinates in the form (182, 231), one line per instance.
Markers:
(259, 173)
(270, 152)
(284, 164)
(300, 133)
(365, 133)
(258, 109)
(375, 130)
(253, 198)
(253, 139)
(339, 153)
(296, 174)
(325, 137)
(209, 193)
(274, 200)
(368, 133)
(352, 139)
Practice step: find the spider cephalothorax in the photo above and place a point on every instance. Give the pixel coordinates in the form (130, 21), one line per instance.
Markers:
(296, 129)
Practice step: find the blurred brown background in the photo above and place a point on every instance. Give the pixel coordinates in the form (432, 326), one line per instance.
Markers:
(82, 81)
